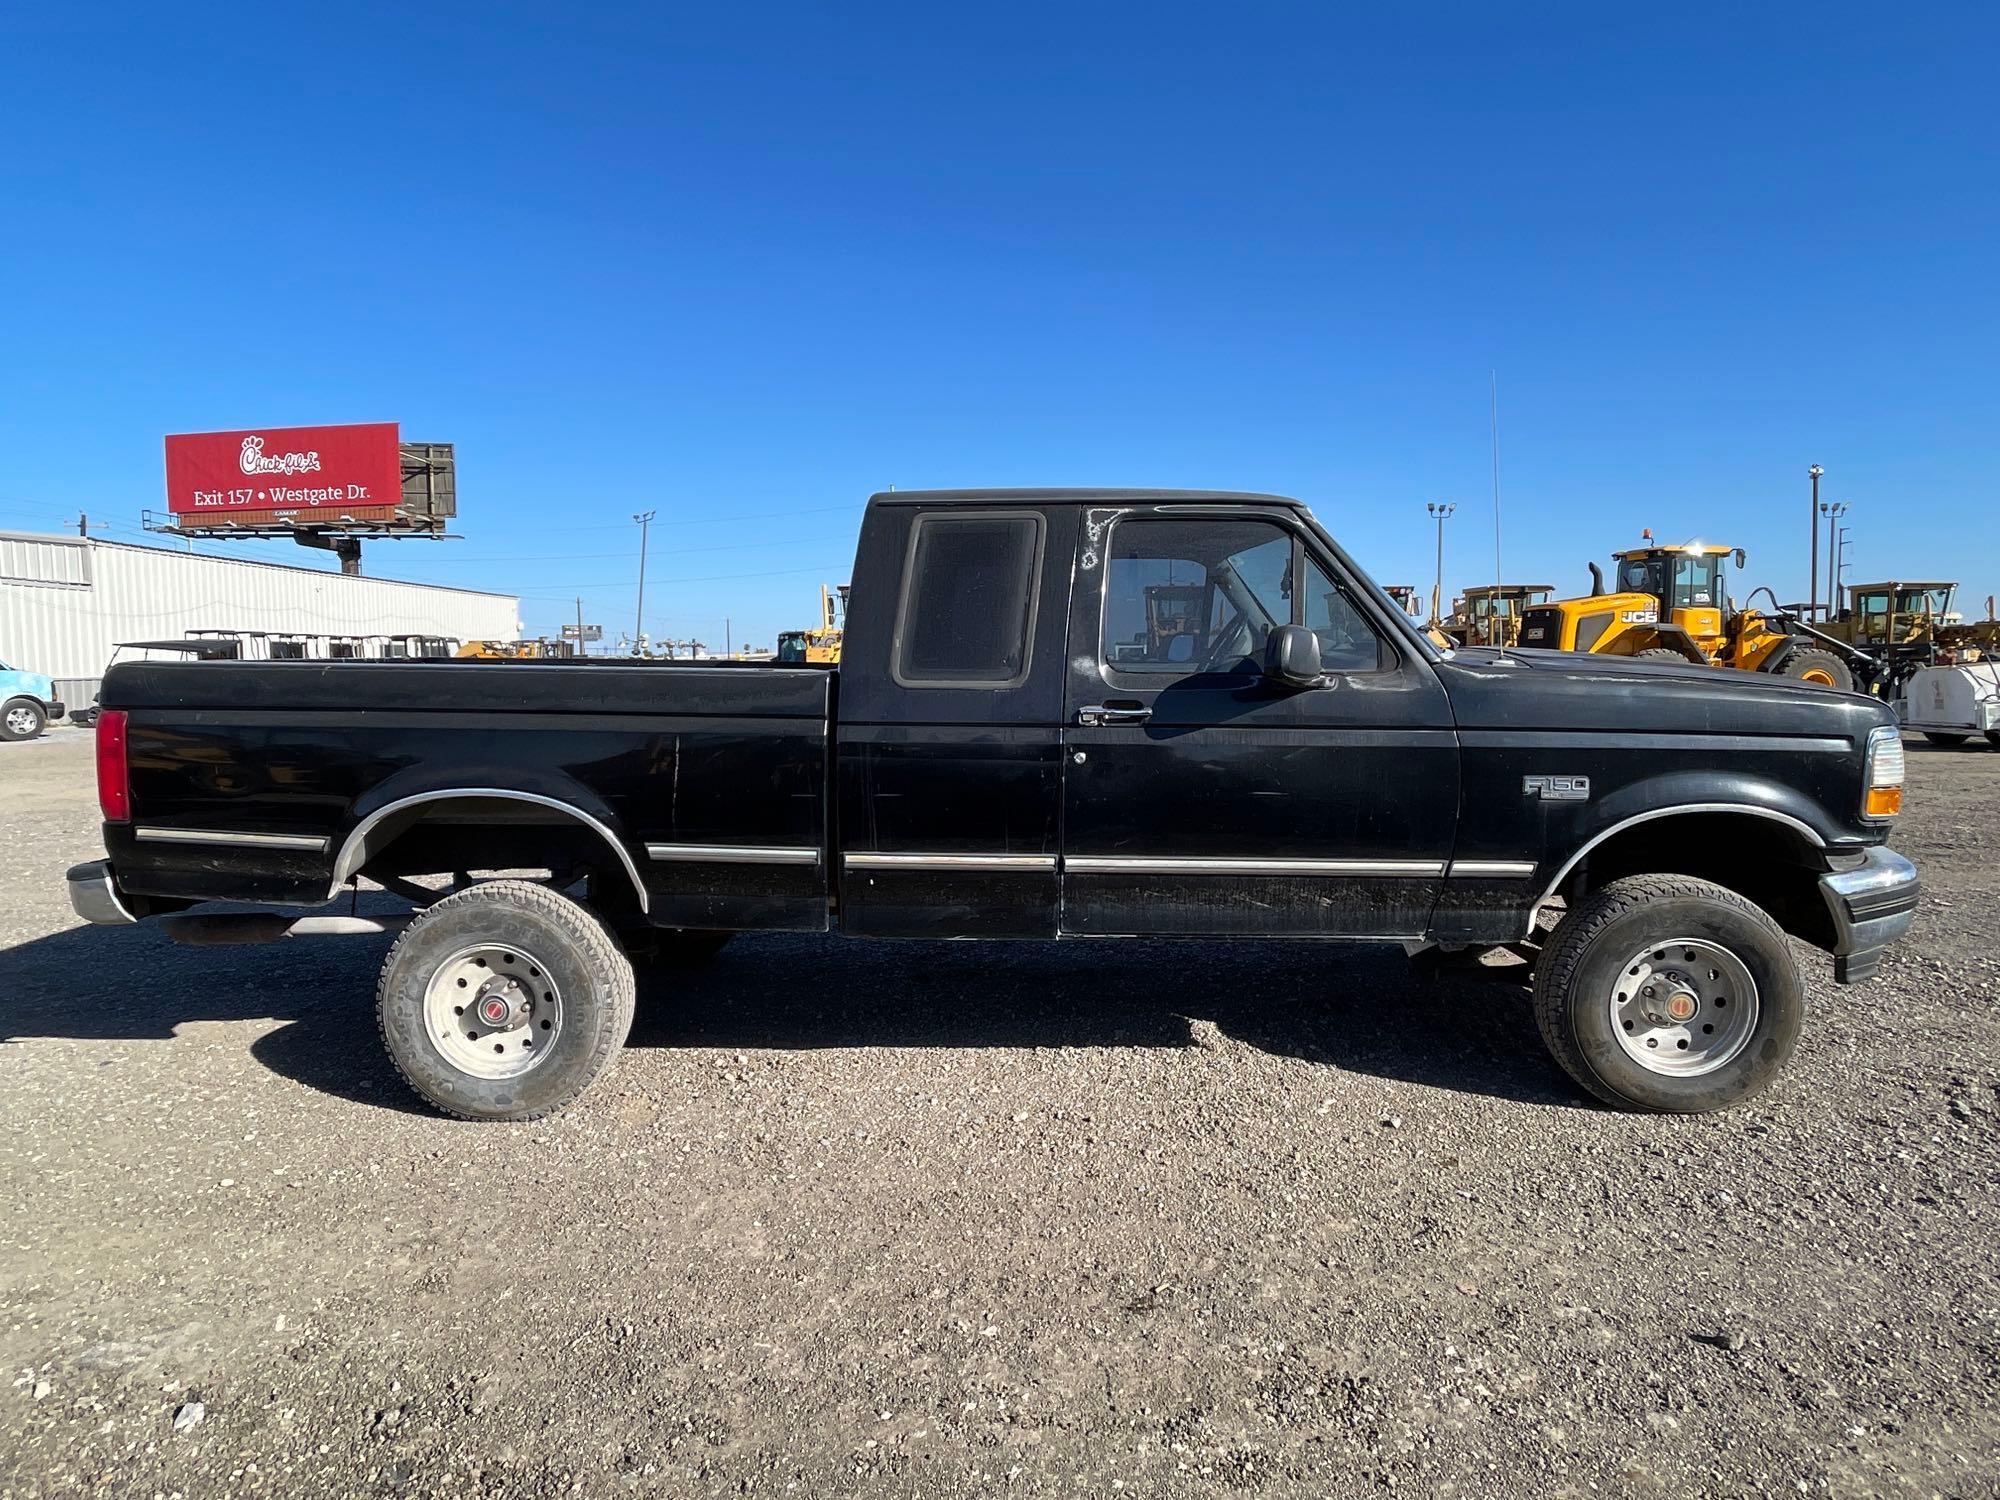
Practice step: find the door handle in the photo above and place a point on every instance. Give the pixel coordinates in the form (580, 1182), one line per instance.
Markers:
(1104, 713)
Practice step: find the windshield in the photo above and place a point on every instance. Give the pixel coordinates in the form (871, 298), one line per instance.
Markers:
(1679, 580)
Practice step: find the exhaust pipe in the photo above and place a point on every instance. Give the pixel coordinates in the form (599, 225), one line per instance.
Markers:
(1596, 579)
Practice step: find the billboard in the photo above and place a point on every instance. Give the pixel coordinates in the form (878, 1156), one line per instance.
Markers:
(267, 475)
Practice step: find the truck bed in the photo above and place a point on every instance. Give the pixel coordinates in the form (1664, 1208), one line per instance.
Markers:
(280, 781)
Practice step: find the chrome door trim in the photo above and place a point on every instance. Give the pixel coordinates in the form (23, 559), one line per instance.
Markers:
(736, 854)
(951, 861)
(302, 841)
(1096, 864)
(1507, 869)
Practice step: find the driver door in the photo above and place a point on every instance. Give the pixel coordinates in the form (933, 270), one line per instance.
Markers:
(1201, 797)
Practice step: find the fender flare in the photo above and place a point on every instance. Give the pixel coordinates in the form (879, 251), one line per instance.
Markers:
(1693, 795)
(354, 850)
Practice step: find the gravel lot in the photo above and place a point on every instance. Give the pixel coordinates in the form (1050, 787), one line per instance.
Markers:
(1219, 1218)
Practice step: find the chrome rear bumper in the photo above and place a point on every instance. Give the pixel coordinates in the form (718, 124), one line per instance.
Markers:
(1872, 905)
(93, 894)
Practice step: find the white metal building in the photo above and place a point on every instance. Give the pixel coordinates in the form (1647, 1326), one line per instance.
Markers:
(66, 603)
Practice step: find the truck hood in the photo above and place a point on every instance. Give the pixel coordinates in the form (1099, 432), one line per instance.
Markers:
(1569, 690)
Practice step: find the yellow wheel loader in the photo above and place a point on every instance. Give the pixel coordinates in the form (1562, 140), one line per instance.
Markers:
(1672, 602)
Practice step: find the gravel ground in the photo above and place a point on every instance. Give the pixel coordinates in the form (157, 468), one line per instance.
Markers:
(916, 1219)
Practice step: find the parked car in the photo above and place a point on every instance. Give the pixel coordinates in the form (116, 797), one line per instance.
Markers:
(27, 703)
(1058, 714)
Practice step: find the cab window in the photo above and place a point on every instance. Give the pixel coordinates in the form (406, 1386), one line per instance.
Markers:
(1203, 595)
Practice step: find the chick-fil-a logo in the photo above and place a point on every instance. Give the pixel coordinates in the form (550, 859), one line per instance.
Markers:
(254, 460)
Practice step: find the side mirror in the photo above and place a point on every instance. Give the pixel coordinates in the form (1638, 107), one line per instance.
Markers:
(1739, 557)
(1291, 656)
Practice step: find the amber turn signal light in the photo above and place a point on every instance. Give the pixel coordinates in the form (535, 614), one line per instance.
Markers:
(1884, 801)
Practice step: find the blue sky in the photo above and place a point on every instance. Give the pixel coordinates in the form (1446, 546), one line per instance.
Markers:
(745, 264)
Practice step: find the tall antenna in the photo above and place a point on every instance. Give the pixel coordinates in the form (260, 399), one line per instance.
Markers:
(1494, 388)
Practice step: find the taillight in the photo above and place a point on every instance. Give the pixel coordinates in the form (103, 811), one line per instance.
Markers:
(114, 778)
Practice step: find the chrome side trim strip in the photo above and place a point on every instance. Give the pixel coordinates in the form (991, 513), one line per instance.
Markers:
(1506, 869)
(1087, 864)
(736, 854)
(951, 861)
(219, 836)
(354, 851)
(1665, 812)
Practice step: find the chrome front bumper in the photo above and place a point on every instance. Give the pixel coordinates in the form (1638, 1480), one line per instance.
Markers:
(93, 894)
(1872, 905)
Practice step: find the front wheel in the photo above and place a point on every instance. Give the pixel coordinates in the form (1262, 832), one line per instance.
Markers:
(21, 719)
(1822, 668)
(504, 1001)
(1667, 993)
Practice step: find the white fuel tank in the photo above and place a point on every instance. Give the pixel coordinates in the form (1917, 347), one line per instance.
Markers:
(1963, 699)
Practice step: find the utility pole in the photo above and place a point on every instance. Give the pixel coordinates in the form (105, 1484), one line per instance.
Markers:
(82, 524)
(579, 629)
(1833, 513)
(727, 649)
(1812, 525)
(1438, 513)
(639, 615)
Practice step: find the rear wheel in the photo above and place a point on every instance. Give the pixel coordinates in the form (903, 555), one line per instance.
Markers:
(1820, 667)
(21, 719)
(504, 1001)
(1659, 653)
(1667, 993)
(1948, 741)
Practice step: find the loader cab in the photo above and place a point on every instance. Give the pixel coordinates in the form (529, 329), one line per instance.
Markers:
(1690, 582)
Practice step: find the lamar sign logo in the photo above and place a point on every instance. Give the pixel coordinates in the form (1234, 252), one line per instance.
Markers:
(247, 474)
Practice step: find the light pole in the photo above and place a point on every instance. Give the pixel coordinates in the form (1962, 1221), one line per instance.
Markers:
(1833, 513)
(639, 615)
(1438, 513)
(1812, 525)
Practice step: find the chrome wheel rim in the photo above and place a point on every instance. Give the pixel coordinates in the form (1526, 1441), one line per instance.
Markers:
(21, 720)
(1683, 1007)
(493, 1011)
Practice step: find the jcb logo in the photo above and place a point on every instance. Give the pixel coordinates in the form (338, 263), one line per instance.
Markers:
(1557, 788)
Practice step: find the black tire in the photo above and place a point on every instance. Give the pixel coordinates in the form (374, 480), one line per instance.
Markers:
(1821, 667)
(22, 719)
(591, 982)
(1946, 741)
(1576, 981)
(1993, 738)
(1661, 653)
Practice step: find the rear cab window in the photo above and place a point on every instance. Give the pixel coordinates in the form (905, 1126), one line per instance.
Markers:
(966, 618)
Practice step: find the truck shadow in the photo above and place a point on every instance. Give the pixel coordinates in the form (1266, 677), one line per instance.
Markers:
(1363, 1009)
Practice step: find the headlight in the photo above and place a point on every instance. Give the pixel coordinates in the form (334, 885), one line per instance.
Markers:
(1882, 781)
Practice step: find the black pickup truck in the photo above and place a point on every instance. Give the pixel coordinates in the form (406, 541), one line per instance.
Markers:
(1059, 714)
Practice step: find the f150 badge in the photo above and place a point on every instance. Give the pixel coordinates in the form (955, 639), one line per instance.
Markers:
(1557, 788)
